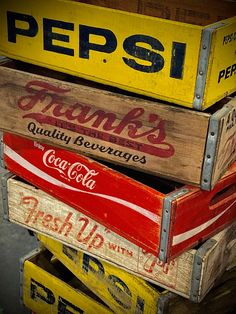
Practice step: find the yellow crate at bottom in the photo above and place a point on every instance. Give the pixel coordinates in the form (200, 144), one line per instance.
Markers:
(44, 290)
(120, 290)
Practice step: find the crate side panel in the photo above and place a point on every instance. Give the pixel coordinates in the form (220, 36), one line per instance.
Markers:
(155, 57)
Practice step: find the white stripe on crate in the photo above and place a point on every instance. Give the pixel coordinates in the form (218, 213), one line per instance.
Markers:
(189, 234)
(36, 171)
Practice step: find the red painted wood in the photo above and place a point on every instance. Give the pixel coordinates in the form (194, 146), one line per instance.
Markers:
(127, 207)
(205, 213)
(113, 199)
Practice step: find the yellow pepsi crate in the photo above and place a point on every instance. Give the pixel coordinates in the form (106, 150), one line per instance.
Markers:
(183, 63)
(47, 288)
(120, 290)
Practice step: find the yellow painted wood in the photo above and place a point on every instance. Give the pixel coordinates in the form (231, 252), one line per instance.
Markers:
(221, 77)
(121, 291)
(44, 293)
(107, 67)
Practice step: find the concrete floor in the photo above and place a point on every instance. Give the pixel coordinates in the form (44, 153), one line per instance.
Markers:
(15, 242)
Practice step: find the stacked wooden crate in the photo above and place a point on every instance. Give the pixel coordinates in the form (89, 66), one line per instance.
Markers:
(158, 206)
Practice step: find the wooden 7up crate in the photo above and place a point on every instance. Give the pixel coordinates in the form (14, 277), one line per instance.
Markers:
(205, 264)
(177, 143)
(191, 275)
(191, 65)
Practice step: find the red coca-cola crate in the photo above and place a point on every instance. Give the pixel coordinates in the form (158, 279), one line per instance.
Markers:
(163, 217)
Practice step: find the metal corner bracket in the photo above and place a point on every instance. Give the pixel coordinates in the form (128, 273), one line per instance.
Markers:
(165, 224)
(197, 270)
(205, 49)
(1, 151)
(22, 261)
(4, 176)
(211, 147)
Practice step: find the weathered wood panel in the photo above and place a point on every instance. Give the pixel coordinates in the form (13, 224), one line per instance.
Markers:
(121, 129)
(187, 11)
(226, 148)
(37, 211)
(124, 130)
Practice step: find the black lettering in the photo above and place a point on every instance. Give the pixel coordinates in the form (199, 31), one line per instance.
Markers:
(118, 153)
(39, 291)
(110, 150)
(13, 31)
(63, 305)
(87, 145)
(102, 149)
(87, 260)
(85, 45)
(233, 69)
(127, 156)
(227, 74)
(79, 140)
(69, 252)
(156, 60)
(32, 128)
(140, 305)
(221, 75)
(118, 283)
(49, 35)
(177, 60)
(143, 160)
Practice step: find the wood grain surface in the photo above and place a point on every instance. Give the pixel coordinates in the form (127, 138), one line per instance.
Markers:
(82, 233)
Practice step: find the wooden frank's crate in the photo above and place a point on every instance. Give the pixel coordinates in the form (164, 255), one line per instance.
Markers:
(48, 287)
(33, 209)
(177, 143)
(120, 290)
(191, 65)
(160, 216)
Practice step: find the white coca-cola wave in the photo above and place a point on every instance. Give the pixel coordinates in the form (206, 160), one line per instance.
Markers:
(191, 233)
(36, 171)
(70, 171)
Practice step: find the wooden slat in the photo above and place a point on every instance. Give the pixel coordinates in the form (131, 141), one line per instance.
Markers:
(180, 134)
(44, 292)
(218, 259)
(26, 203)
(188, 11)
